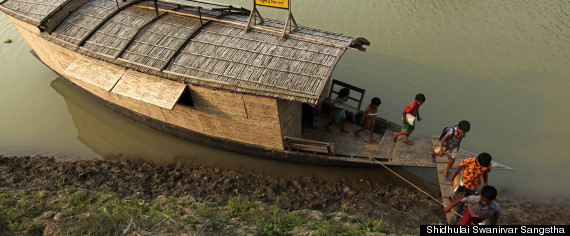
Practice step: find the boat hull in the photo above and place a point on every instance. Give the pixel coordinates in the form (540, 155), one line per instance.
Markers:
(59, 58)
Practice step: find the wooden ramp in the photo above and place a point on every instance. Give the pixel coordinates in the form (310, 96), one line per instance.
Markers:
(444, 185)
(412, 155)
(386, 148)
(402, 154)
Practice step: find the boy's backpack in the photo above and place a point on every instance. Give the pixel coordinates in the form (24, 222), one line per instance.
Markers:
(444, 131)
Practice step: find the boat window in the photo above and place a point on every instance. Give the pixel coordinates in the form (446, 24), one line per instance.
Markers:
(186, 98)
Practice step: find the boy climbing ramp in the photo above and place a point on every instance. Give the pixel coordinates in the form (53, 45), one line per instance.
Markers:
(450, 143)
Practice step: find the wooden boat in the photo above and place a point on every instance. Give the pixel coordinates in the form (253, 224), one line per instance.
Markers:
(190, 69)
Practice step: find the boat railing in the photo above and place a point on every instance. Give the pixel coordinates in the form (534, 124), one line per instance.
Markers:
(352, 88)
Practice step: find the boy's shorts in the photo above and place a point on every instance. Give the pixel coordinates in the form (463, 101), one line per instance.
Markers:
(369, 122)
(451, 153)
(468, 219)
(407, 127)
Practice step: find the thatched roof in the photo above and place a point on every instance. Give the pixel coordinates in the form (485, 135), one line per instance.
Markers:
(29, 10)
(213, 51)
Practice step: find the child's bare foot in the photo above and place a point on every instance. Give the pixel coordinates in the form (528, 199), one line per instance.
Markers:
(356, 134)
(407, 142)
(344, 131)
(374, 141)
(394, 137)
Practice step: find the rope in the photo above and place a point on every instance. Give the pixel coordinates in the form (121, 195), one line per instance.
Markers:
(370, 157)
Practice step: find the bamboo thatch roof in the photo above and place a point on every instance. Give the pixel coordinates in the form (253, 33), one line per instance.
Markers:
(29, 10)
(196, 45)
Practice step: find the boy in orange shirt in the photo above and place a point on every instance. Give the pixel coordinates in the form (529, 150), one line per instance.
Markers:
(473, 169)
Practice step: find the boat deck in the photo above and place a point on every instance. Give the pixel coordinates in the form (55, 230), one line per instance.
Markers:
(343, 144)
(386, 151)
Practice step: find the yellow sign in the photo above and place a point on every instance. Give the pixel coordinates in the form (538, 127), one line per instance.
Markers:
(273, 3)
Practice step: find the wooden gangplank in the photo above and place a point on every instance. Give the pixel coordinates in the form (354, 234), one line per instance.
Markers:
(444, 185)
(412, 155)
(386, 146)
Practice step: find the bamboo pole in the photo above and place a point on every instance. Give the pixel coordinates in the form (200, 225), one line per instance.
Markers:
(254, 27)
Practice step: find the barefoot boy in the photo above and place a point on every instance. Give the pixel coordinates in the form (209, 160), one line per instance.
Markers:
(450, 144)
(369, 119)
(413, 109)
(479, 208)
(473, 169)
(337, 111)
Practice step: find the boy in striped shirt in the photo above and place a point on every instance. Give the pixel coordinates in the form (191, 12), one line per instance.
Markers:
(450, 144)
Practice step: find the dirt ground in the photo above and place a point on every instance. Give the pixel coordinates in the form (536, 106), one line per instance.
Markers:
(401, 205)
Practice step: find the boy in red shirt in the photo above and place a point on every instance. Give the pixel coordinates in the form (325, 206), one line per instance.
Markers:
(413, 109)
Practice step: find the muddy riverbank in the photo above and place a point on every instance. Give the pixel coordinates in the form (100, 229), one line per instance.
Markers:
(397, 203)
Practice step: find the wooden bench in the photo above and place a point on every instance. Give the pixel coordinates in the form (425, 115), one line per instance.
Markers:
(307, 145)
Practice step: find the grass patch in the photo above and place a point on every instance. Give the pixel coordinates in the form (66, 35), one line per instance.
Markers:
(97, 224)
(374, 225)
(81, 212)
(238, 206)
(15, 207)
(274, 221)
(322, 227)
(101, 213)
(60, 183)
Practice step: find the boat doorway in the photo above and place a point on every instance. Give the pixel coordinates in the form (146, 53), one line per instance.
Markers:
(343, 144)
(313, 115)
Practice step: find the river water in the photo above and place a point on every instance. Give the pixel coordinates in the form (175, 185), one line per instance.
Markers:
(502, 65)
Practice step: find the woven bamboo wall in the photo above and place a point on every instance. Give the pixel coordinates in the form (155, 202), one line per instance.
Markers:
(95, 72)
(56, 61)
(217, 103)
(290, 115)
(235, 116)
(149, 89)
(206, 117)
